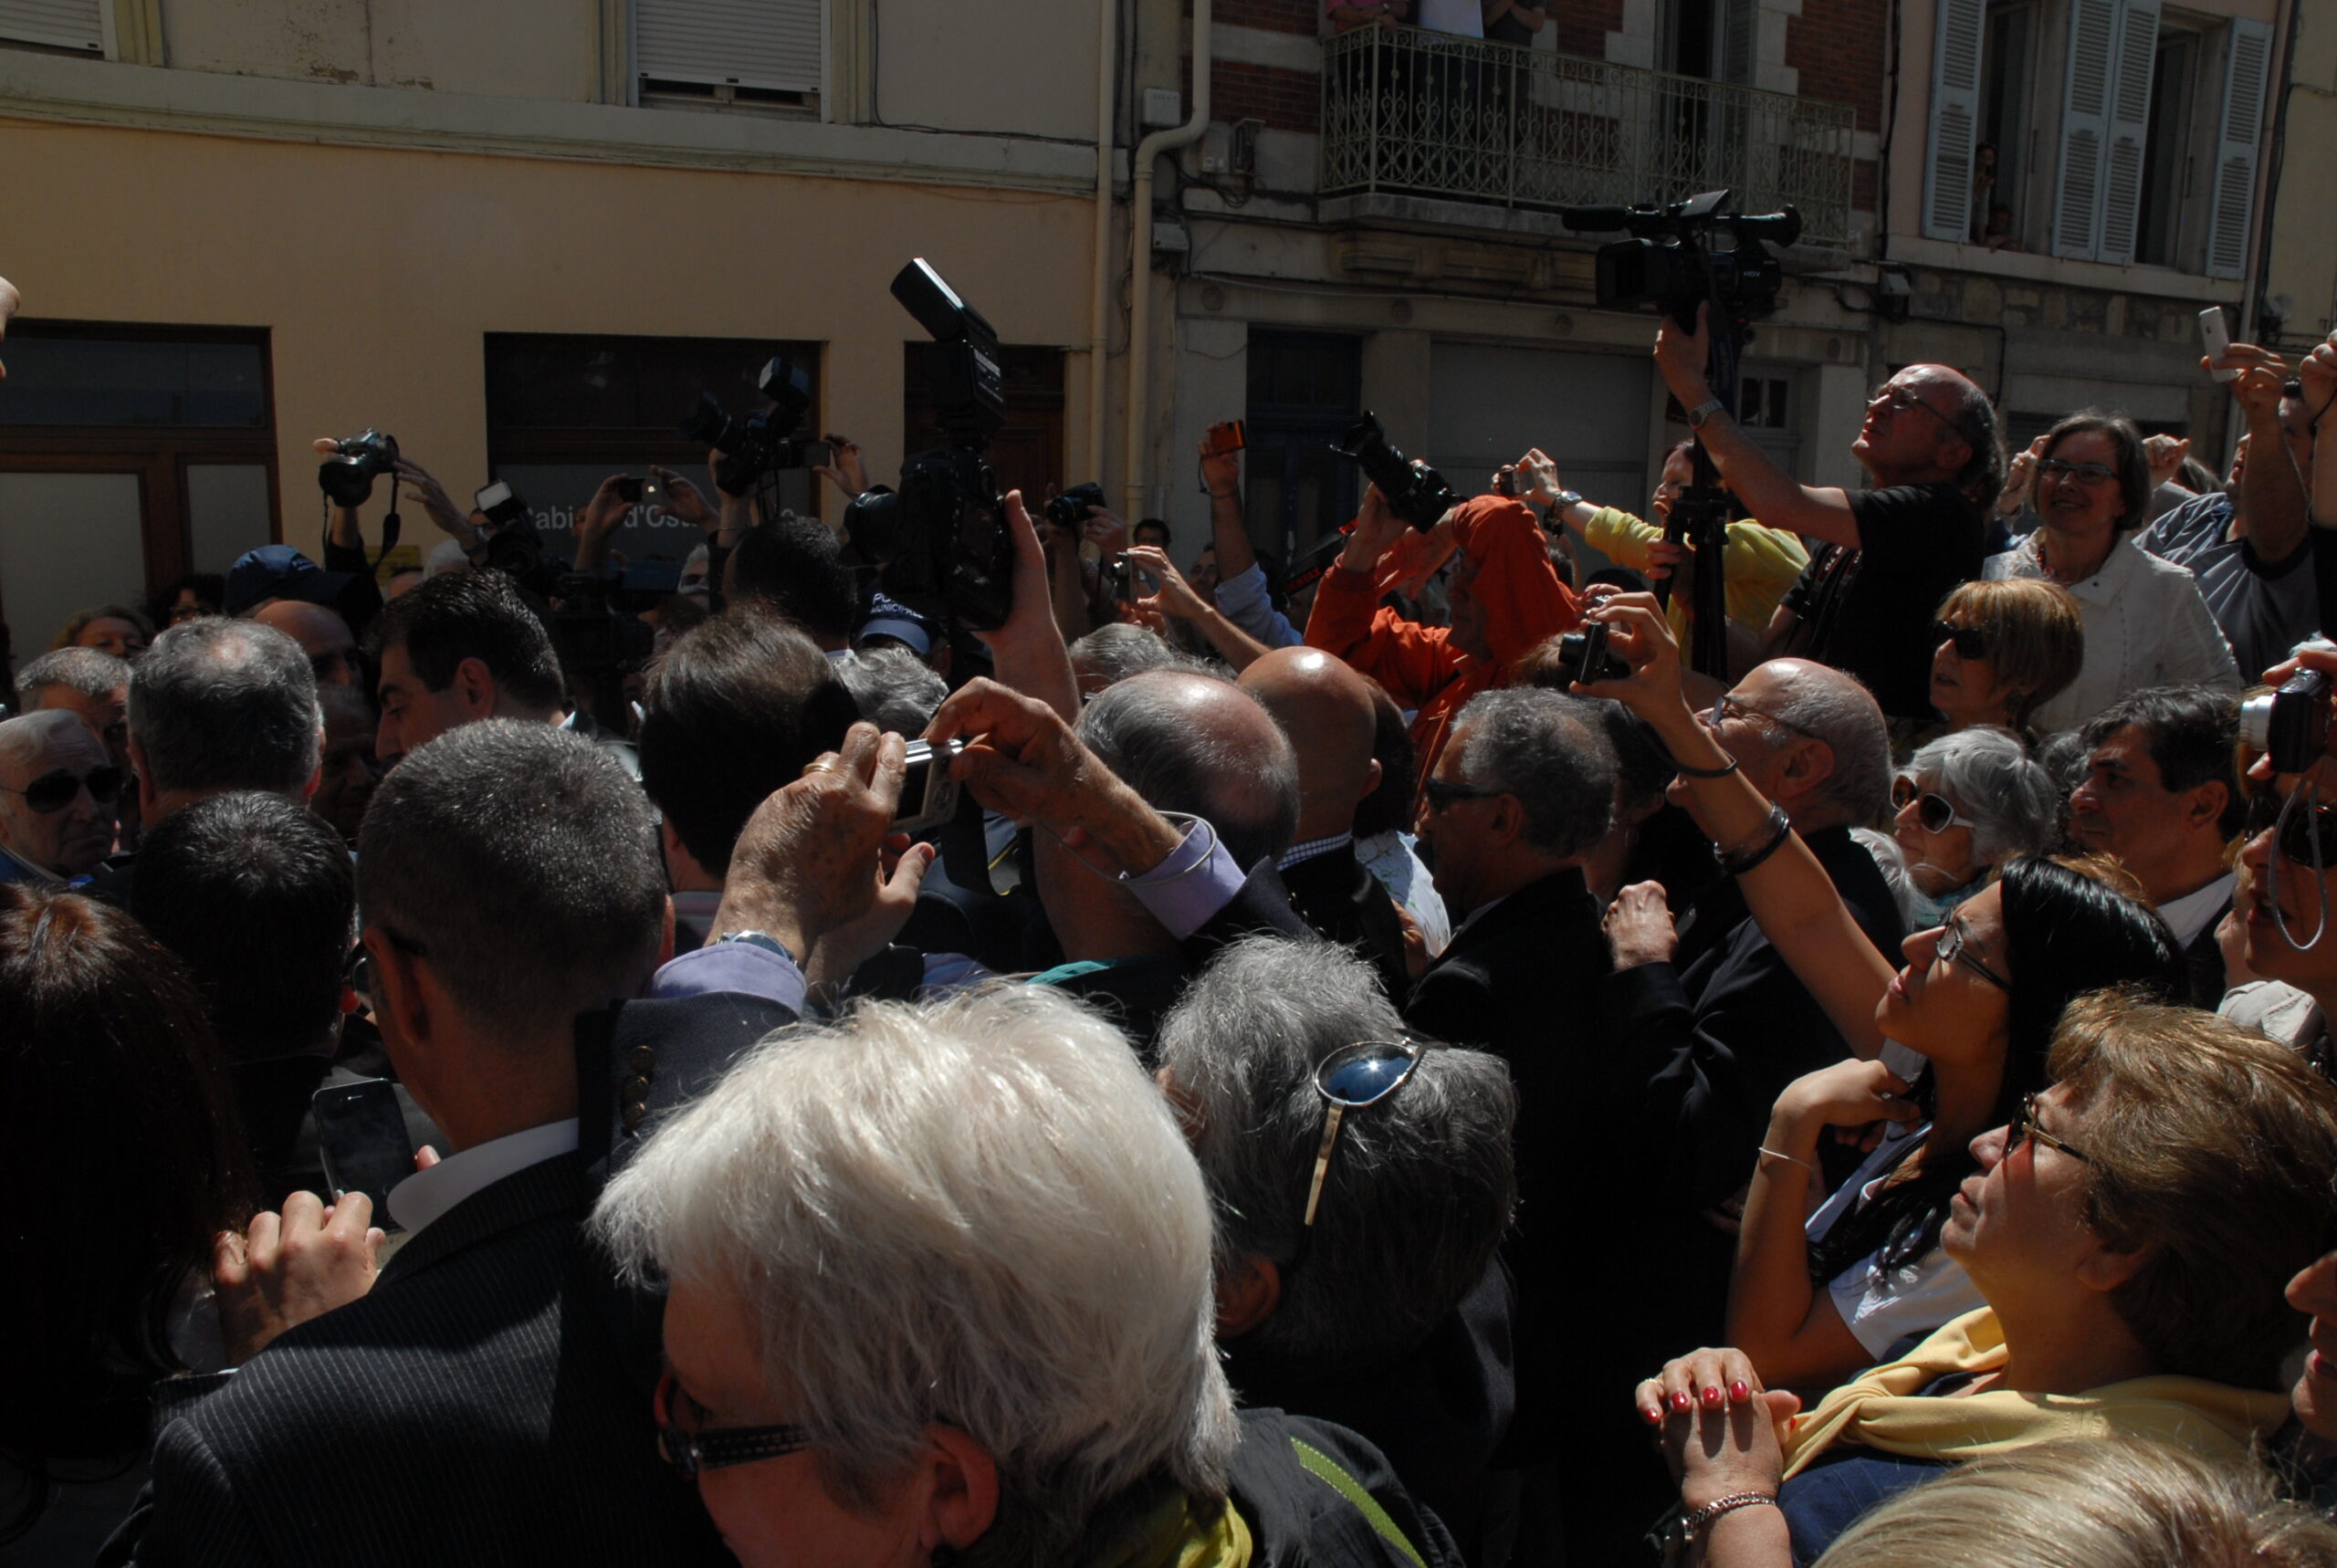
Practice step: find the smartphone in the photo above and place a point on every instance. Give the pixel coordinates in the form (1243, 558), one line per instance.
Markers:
(1120, 572)
(2216, 337)
(360, 1133)
(1223, 438)
(653, 492)
(819, 453)
(929, 795)
(628, 489)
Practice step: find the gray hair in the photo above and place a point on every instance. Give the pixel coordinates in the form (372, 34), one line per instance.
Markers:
(978, 1211)
(24, 738)
(91, 672)
(894, 690)
(226, 705)
(1892, 862)
(1112, 653)
(1988, 776)
(1420, 1192)
(525, 862)
(1832, 707)
(1144, 730)
(1551, 751)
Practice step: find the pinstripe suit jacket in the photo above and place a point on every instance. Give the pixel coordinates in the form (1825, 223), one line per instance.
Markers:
(488, 1402)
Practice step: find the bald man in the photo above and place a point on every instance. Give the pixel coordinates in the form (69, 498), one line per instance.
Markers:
(323, 635)
(1326, 709)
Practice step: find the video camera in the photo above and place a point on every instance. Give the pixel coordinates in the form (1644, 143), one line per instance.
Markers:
(1670, 264)
(944, 531)
(761, 442)
(347, 476)
(1419, 495)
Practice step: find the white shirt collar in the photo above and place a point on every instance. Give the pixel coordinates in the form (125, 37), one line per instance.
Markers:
(425, 1195)
(2189, 916)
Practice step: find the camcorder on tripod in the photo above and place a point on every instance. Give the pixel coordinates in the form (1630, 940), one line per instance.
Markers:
(1670, 263)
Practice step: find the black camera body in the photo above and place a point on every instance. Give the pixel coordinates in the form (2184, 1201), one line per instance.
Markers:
(347, 476)
(2292, 726)
(1070, 510)
(1419, 495)
(1668, 262)
(944, 532)
(756, 444)
(1585, 653)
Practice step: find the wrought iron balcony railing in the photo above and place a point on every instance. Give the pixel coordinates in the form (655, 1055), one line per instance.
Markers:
(1435, 114)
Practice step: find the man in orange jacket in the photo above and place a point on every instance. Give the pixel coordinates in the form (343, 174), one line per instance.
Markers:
(1505, 598)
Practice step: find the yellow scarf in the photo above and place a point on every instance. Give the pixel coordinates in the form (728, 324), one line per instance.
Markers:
(1879, 1409)
(1171, 1537)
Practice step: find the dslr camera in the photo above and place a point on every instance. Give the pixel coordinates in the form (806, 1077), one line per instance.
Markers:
(2292, 726)
(1070, 510)
(754, 444)
(1418, 494)
(1670, 263)
(944, 532)
(347, 476)
(1584, 656)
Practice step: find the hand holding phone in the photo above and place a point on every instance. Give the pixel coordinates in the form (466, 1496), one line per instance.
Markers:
(2217, 338)
(627, 488)
(653, 492)
(361, 1137)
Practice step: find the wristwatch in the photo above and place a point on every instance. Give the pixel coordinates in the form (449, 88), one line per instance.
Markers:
(1674, 1536)
(762, 939)
(1704, 411)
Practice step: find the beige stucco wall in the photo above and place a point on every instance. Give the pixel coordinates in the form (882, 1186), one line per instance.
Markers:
(2304, 218)
(379, 270)
(545, 49)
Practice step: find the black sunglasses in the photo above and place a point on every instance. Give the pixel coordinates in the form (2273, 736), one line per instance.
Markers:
(2308, 836)
(1933, 810)
(1970, 641)
(1443, 793)
(717, 1447)
(54, 791)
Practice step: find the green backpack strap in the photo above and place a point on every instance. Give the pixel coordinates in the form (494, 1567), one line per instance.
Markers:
(1327, 1469)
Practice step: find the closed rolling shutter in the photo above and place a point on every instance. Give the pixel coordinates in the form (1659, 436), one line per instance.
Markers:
(63, 24)
(2085, 126)
(1956, 117)
(2246, 65)
(772, 44)
(2130, 124)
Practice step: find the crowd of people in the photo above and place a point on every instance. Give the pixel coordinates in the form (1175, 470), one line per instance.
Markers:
(1411, 1070)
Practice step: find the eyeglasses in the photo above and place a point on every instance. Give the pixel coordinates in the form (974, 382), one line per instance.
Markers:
(2083, 473)
(717, 1447)
(1933, 810)
(1970, 641)
(2307, 835)
(1728, 707)
(1443, 793)
(2024, 1125)
(1955, 947)
(54, 791)
(1350, 1079)
(1902, 400)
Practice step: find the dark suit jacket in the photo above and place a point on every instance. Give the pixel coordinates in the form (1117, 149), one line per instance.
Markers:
(474, 1408)
(2203, 961)
(1343, 903)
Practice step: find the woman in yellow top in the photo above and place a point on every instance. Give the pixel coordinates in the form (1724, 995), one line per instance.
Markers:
(2131, 1233)
(1759, 565)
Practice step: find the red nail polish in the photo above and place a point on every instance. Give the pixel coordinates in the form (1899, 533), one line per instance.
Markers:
(1679, 1400)
(1738, 1392)
(1712, 1396)
(1652, 1415)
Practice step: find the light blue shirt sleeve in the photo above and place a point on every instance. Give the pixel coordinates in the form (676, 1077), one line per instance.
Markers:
(741, 968)
(1242, 600)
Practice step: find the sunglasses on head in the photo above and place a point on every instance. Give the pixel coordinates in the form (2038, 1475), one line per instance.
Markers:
(1350, 1079)
(1970, 641)
(1932, 809)
(54, 791)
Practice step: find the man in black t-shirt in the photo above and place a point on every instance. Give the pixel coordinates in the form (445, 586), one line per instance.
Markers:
(1886, 556)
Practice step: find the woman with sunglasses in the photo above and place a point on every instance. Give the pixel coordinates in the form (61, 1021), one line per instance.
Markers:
(1968, 1022)
(1964, 805)
(2145, 622)
(2001, 649)
(2130, 1230)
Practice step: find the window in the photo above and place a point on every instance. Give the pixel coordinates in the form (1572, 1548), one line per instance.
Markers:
(128, 455)
(565, 413)
(1027, 450)
(1306, 390)
(76, 25)
(754, 52)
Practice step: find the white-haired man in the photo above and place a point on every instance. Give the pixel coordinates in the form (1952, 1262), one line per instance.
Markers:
(58, 789)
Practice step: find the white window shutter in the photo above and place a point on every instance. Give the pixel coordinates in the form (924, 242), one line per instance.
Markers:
(2130, 125)
(1956, 120)
(772, 44)
(2085, 127)
(61, 23)
(2248, 65)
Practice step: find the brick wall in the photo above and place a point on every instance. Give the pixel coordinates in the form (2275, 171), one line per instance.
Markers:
(1839, 46)
(1273, 15)
(1285, 101)
(1582, 25)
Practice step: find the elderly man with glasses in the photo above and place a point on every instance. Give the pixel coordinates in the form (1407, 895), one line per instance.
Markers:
(1930, 443)
(58, 789)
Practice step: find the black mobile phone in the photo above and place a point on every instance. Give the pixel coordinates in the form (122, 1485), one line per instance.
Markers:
(819, 453)
(360, 1134)
(629, 490)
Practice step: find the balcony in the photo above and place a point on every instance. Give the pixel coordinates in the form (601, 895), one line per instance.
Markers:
(1434, 114)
